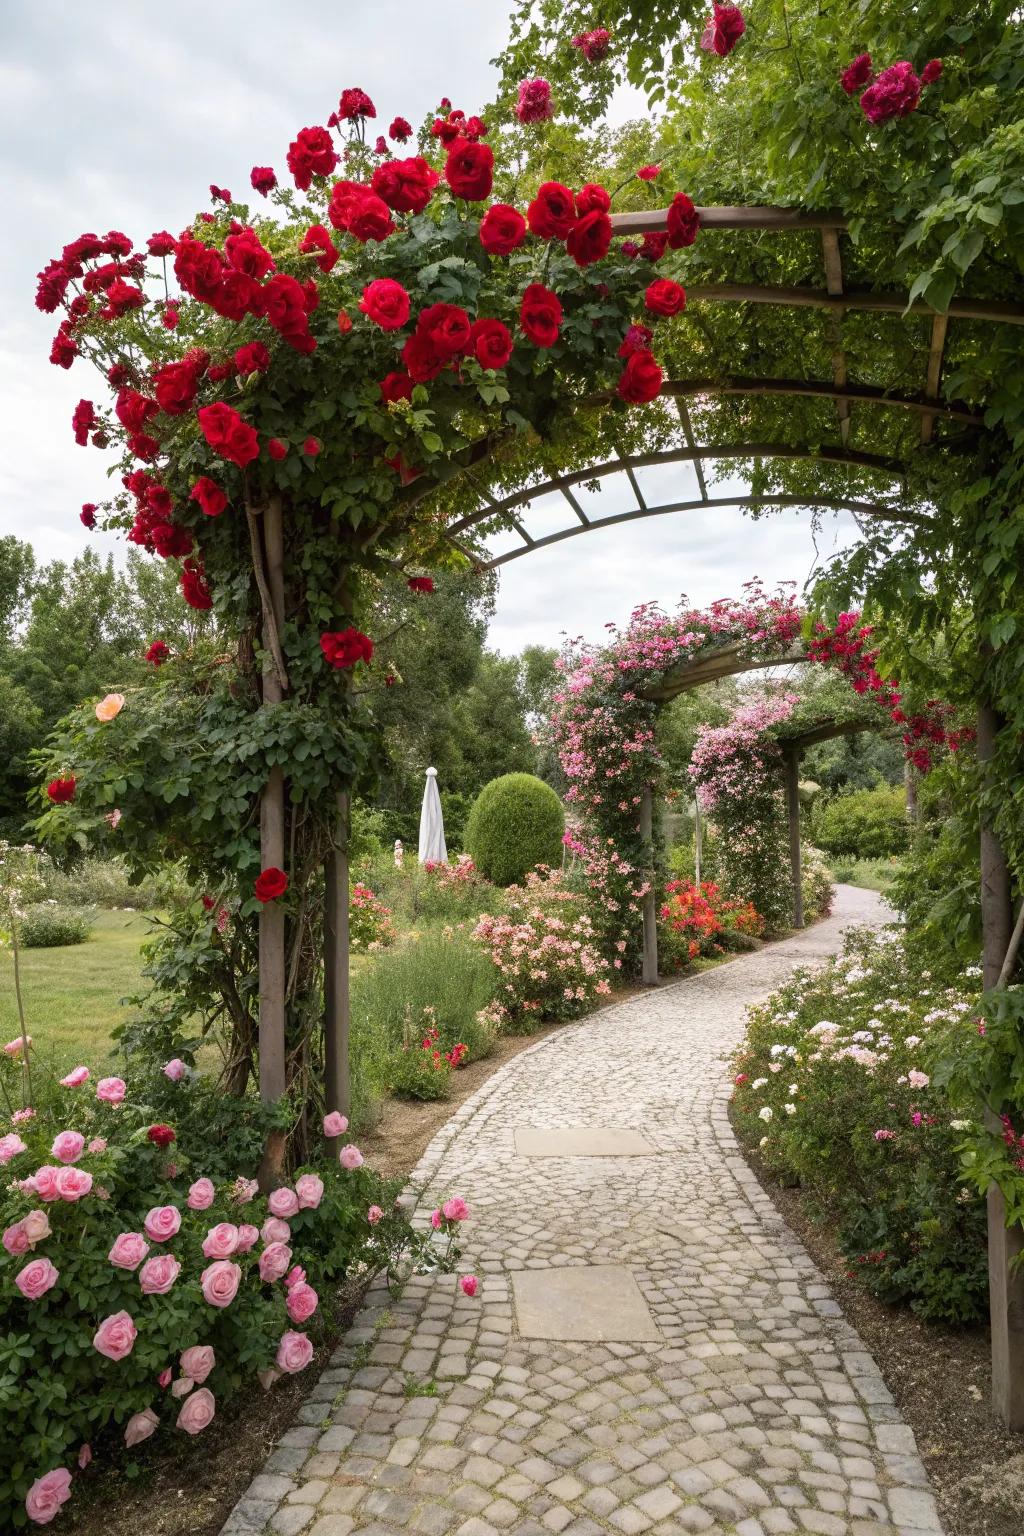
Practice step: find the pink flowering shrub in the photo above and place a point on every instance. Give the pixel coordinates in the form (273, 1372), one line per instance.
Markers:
(839, 1084)
(370, 925)
(544, 948)
(137, 1292)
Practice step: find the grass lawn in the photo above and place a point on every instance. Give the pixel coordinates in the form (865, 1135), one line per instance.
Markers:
(869, 874)
(72, 994)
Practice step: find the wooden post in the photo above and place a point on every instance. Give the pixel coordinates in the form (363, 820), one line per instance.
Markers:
(337, 1089)
(1006, 1288)
(272, 854)
(791, 757)
(649, 974)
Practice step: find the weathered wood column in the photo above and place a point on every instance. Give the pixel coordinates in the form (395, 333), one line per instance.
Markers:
(649, 973)
(791, 758)
(1006, 1289)
(337, 1090)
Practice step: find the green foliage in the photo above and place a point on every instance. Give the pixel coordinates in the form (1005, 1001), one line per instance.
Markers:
(418, 893)
(866, 824)
(48, 927)
(516, 824)
(936, 888)
(868, 874)
(816, 883)
(106, 882)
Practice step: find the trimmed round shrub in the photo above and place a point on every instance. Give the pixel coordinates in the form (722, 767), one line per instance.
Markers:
(49, 927)
(867, 824)
(516, 823)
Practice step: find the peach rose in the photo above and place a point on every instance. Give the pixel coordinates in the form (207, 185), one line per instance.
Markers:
(248, 1236)
(350, 1158)
(302, 1303)
(140, 1426)
(197, 1411)
(219, 1282)
(221, 1241)
(274, 1261)
(111, 1090)
(200, 1195)
(162, 1222)
(275, 1231)
(310, 1191)
(115, 1337)
(110, 707)
(75, 1078)
(335, 1124)
(129, 1250)
(158, 1274)
(44, 1182)
(294, 1352)
(73, 1183)
(38, 1277)
(44, 1499)
(198, 1362)
(283, 1202)
(37, 1226)
(84, 1456)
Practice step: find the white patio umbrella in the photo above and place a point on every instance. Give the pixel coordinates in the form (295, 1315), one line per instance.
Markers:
(432, 846)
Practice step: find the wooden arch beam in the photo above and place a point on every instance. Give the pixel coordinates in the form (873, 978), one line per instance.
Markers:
(923, 405)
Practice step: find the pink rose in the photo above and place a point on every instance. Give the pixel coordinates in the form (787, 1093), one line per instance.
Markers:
(455, 1209)
(294, 1352)
(283, 1202)
(248, 1235)
(15, 1238)
(374, 1214)
(274, 1262)
(75, 1078)
(38, 1277)
(469, 1284)
(140, 1426)
(198, 1362)
(219, 1282)
(302, 1303)
(158, 1274)
(73, 1183)
(115, 1337)
(37, 1226)
(335, 1124)
(175, 1069)
(164, 1379)
(197, 1411)
(182, 1387)
(11, 1146)
(221, 1241)
(435, 1220)
(44, 1499)
(275, 1231)
(162, 1222)
(68, 1146)
(129, 1250)
(310, 1191)
(98, 1144)
(84, 1457)
(44, 1182)
(350, 1158)
(111, 1090)
(14, 1047)
(200, 1195)
(295, 1276)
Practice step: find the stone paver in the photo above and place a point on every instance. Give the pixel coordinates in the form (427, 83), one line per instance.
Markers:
(757, 1412)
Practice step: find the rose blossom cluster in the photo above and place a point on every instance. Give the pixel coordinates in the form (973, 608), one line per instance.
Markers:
(894, 92)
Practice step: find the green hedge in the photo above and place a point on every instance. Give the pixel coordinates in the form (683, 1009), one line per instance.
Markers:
(516, 823)
(868, 824)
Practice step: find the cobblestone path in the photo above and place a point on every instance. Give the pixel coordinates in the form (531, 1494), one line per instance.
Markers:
(739, 1401)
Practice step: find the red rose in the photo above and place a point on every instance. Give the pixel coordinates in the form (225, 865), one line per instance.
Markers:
(422, 360)
(723, 30)
(592, 199)
(193, 586)
(552, 213)
(61, 791)
(420, 584)
(589, 238)
(121, 297)
(277, 449)
(400, 130)
(386, 303)
(895, 93)
(343, 648)
(262, 179)
(284, 302)
(648, 173)
(161, 1135)
(593, 45)
(396, 386)
(158, 653)
(311, 154)
(83, 418)
(540, 315)
(446, 327)
(683, 221)
(161, 244)
(317, 238)
(64, 349)
(637, 339)
(405, 185)
(219, 194)
(252, 358)
(641, 378)
(502, 229)
(209, 495)
(664, 297)
(247, 254)
(170, 540)
(134, 410)
(175, 386)
(931, 71)
(344, 322)
(856, 74)
(492, 343)
(655, 244)
(88, 515)
(469, 170)
(311, 447)
(359, 211)
(228, 435)
(270, 884)
(354, 104)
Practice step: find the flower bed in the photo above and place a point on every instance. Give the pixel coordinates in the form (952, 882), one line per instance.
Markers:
(835, 1087)
(697, 920)
(370, 926)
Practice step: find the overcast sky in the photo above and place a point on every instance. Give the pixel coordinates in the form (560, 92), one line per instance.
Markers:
(121, 118)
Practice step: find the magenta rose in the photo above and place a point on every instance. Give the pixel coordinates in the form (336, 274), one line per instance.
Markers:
(73, 1183)
(140, 1426)
(115, 1337)
(294, 1352)
(198, 1361)
(310, 1191)
(221, 1241)
(46, 1495)
(200, 1195)
(283, 1203)
(274, 1262)
(158, 1274)
(248, 1236)
(219, 1282)
(38, 1277)
(197, 1412)
(162, 1222)
(111, 1090)
(68, 1146)
(274, 1230)
(302, 1303)
(129, 1250)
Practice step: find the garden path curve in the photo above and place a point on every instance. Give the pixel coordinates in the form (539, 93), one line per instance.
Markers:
(720, 1389)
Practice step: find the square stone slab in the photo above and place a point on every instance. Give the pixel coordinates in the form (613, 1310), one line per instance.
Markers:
(581, 1141)
(600, 1303)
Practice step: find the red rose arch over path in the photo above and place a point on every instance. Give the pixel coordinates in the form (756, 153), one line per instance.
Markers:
(362, 377)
